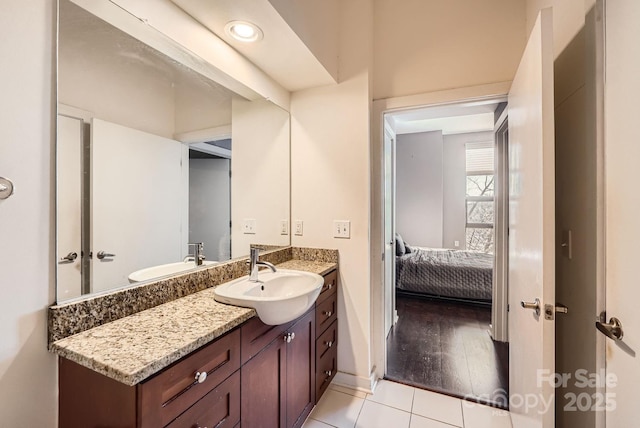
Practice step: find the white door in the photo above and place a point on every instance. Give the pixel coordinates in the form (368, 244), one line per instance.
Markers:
(69, 207)
(622, 204)
(532, 230)
(138, 202)
(389, 229)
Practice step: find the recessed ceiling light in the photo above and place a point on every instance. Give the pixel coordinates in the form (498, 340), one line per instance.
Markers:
(243, 31)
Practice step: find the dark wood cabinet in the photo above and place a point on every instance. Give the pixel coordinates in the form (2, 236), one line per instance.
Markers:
(278, 384)
(264, 387)
(301, 378)
(180, 395)
(256, 376)
(326, 356)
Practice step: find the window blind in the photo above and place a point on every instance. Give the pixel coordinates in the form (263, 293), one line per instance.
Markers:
(479, 156)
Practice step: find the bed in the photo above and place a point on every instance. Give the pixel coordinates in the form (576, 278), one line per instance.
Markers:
(445, 273)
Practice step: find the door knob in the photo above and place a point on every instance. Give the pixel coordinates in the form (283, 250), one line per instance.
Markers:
(612, 329)
(69, 258)
(535, 305)
(104, 255)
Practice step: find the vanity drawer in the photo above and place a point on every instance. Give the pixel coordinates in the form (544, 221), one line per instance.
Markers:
(256, 335)
(326, 367)
(329, 287)
(172, 391)
(220, 408)
(326, 313)
(327, 341)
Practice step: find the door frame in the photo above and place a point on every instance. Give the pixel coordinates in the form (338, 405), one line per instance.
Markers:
(479, 93)
(500, 293)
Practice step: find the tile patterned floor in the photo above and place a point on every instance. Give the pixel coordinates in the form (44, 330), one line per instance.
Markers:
(393, 405)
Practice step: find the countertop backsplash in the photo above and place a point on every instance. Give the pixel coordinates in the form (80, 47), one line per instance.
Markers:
(75, 317)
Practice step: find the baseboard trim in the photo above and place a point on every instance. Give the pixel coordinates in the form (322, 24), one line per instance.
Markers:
(359, 383)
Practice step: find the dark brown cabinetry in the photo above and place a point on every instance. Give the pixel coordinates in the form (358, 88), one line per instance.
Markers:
(203, 389)
(278, 384)
(326, 334)
(266, 376)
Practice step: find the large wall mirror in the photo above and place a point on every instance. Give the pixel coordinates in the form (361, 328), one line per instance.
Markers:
(152, 156)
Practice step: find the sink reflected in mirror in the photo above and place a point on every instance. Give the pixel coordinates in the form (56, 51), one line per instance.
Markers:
(278, 297)
(156, 272)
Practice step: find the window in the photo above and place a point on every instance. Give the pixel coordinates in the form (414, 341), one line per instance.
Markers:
(479, 196)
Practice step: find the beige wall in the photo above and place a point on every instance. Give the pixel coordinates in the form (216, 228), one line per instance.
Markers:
(259, 173)
(330, 179)
(316, 23)
(568, 19)
(111, 89)
(28, 387)
(429, 45)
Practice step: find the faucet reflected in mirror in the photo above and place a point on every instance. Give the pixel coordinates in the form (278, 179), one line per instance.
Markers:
(145, 149)
(198, 253)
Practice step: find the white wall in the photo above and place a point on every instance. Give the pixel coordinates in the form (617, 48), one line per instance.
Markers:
(330, 181)
(454, 178)
(419, 188)
(260, 177)
(429, 45)
(28, 387)
(210, 206)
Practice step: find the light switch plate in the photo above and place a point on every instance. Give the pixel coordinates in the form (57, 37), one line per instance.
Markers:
(249, 226)
(284, 227)
(342, 229)
(298, 227)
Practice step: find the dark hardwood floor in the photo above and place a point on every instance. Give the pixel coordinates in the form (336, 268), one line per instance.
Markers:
(446, 347)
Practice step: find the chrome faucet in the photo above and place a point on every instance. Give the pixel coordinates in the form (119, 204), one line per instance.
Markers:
(254, 265)
(198, 253)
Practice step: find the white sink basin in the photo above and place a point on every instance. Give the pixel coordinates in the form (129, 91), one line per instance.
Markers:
(278, 298)
(164, 270)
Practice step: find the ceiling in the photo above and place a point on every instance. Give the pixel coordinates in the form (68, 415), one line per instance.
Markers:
(451, 119)
(281, 53)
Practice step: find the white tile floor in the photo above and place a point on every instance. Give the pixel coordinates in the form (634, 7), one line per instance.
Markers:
(393, 405)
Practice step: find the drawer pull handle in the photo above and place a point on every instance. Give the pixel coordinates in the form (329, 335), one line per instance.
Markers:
(329, 343)
(328, 373)
(330, 285)
(201, 377)
(289, 337)
(328, 313)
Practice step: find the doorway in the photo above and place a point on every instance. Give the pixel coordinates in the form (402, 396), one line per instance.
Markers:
(210, 197)
(442, 190)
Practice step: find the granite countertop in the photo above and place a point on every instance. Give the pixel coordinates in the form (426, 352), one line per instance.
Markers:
(133, 348)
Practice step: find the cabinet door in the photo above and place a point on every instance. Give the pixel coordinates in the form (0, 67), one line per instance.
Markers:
(263, 380)
(301, 370)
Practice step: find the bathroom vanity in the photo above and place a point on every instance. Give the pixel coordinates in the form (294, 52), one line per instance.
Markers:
(240, 371)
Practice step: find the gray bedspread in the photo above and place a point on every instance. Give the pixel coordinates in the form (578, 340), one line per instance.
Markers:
(448, 273)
